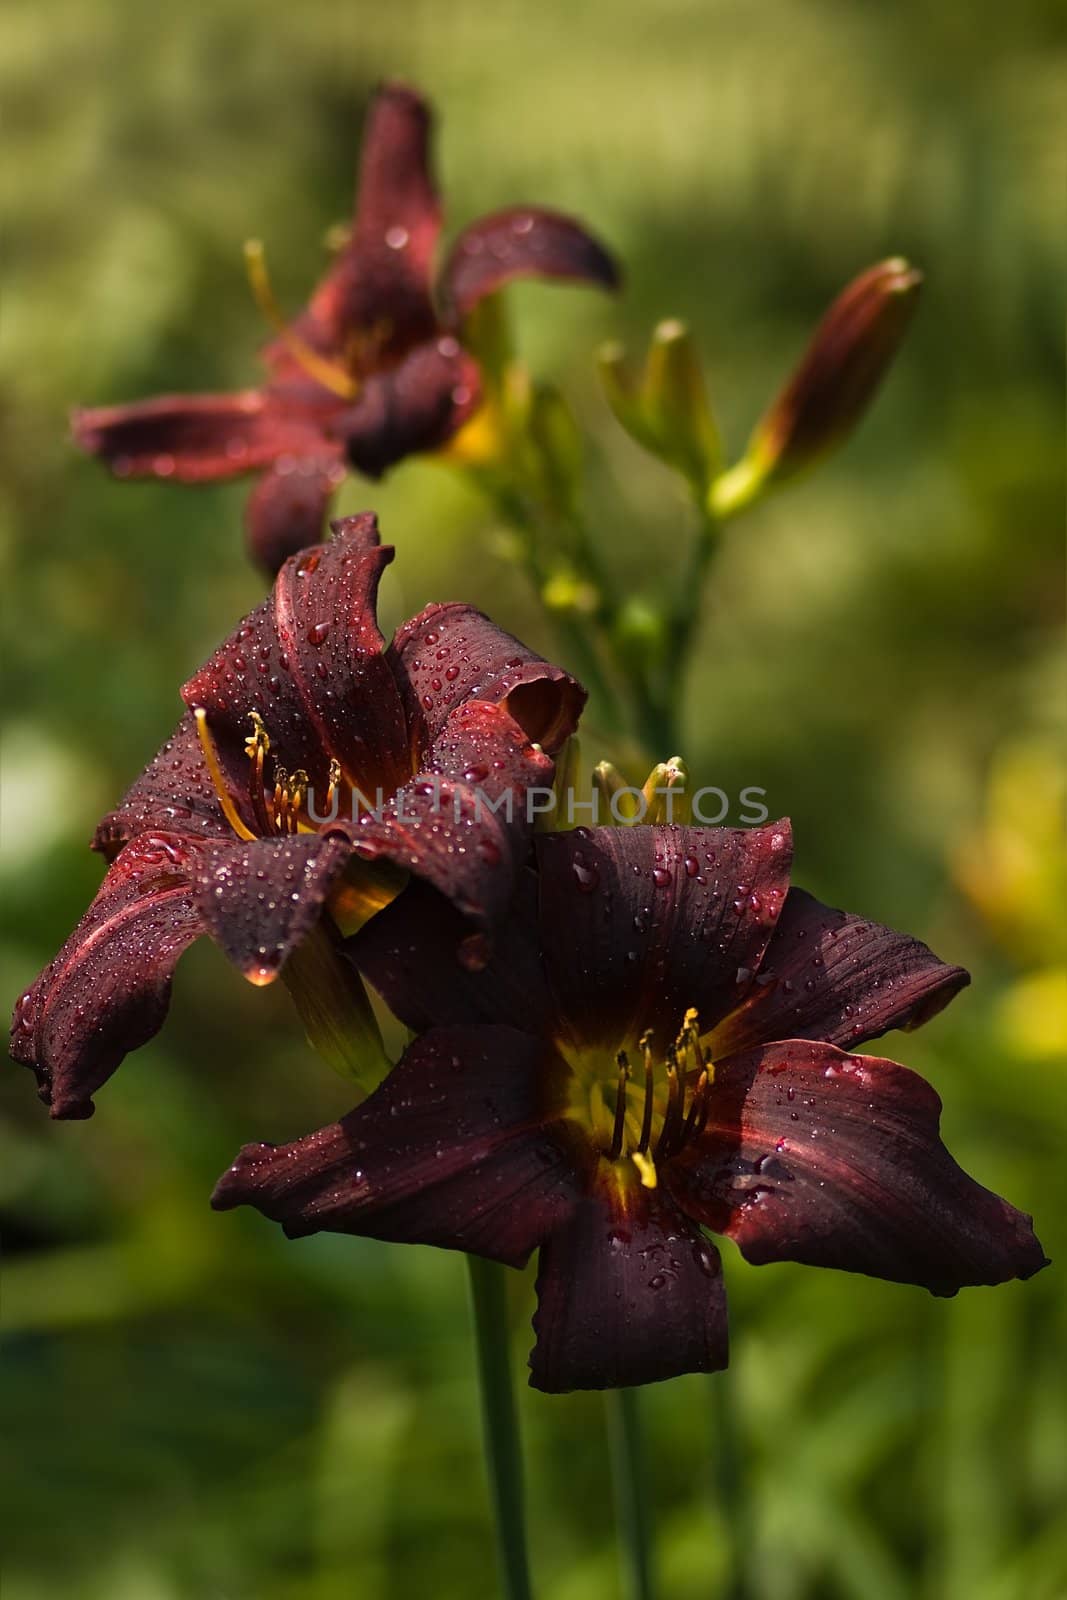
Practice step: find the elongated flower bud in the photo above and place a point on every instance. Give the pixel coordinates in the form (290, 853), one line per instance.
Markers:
(840, 372)
(665, 408)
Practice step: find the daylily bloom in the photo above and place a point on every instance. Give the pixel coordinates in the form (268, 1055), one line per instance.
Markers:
(373, 369)
(392, 754)
(662, 1043)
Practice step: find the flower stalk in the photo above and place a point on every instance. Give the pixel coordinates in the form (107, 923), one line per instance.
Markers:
(629, 1482)
(500, 1425)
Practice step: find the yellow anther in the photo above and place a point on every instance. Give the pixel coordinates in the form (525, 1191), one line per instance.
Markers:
(258, 741)
(211, 761)
(646, 1168)
(328, 373)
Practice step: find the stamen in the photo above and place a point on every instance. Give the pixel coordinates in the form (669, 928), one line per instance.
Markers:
(298, 788)
(328, 373)
(257, 745)
(698, 1102)
(672, 1117)
(211, 761)
(279, 799)
(618, 1131)
(258, 741)
(331, 787)
(646, 1120)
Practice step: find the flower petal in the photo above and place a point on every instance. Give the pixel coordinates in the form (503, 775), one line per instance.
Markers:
(197, 438)
(310, 661)
(641, 923)
(459, 1147)
(522, 242)
(830, 975)
(834, 1160)
(379, 286)
(259, 899)
(175, 793)
(410, 408)
(287, 508)
(463, 824)
(408, 952)
(108, 989)
(628, 1291)
(452, 653)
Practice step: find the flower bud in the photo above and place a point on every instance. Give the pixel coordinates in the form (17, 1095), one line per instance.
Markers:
(836, 380)
(664, 792)
(675, 401)
(621, 803)
(556, 450)
(666, 411)
(335, 1009)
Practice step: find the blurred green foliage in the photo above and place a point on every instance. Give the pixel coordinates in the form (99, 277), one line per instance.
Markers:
(195, 1409)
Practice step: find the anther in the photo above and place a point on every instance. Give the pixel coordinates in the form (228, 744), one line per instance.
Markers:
(646, 1168)
(317, 366)
(211, 761)
(258, 741)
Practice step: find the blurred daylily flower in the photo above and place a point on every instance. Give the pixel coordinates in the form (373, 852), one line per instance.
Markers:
(394, 757)
(660, 1044)
(373, 369)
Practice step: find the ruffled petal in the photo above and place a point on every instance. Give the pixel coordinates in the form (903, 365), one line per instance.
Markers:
(107, 991)
(833, 976)
(287, 508)
(463, 824)
(198, 438)
(410, 408)
(833, 1160)
(259, 899)
(522, 242)
(310, 661)
(640, 924)
(628, 1291)
(452, 653)
(460, 1147)
(408, 952)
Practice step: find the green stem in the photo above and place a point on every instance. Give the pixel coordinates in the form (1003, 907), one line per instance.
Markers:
(574, 632)
(500, 1426)
(730, 1481)
(629, 1481)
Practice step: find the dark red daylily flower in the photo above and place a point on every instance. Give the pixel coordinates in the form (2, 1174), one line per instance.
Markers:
(661, 1044)
(218, 837)
(373, 369)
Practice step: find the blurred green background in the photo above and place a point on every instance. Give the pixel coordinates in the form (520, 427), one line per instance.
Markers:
(195, 1409)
